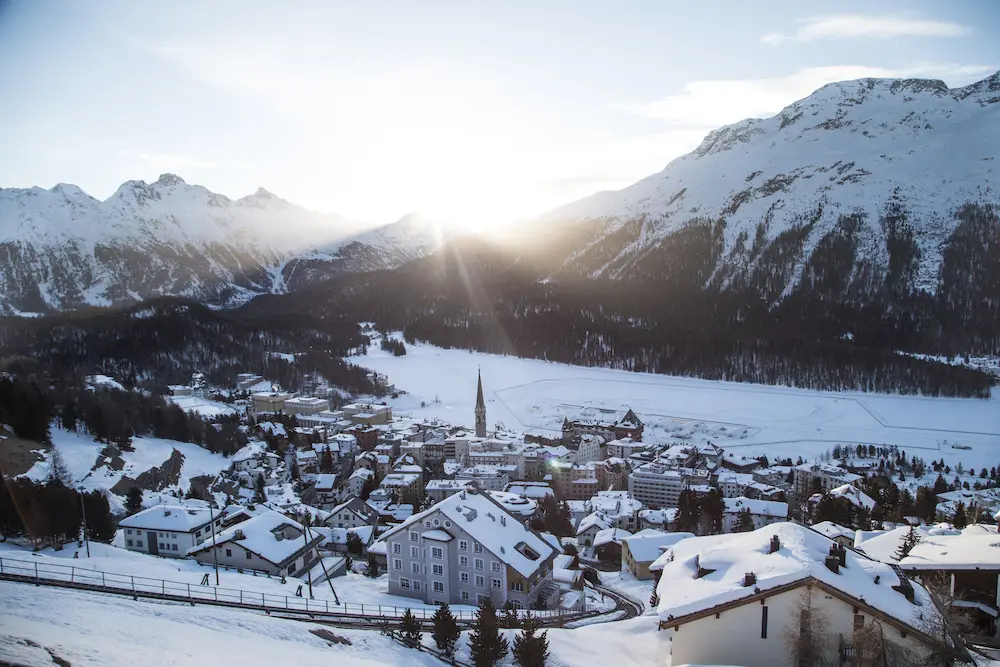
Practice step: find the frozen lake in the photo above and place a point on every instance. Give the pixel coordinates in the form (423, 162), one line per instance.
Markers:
(531, 394)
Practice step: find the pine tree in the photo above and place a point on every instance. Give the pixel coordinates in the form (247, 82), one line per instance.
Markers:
(58, 469)
(372, 570)
(654, 598)
(487, 646)
(530, 649)
(410, 627)
(446, 632)
(910, 540)
(744, 521)
(133, 500)
(961, 520)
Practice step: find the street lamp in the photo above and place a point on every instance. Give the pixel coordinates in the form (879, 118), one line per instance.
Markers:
(215, 555)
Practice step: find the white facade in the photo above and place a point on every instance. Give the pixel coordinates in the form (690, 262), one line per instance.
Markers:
(169, 530)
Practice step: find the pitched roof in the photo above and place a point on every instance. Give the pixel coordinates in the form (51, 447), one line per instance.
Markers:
(723, 560)
(174, 518)
(609, 535)
(487, 522)
(646, 547)
(854, 495)
(770, 508)
(258, 535)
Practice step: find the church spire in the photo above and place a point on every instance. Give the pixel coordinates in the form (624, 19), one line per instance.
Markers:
(480, 409)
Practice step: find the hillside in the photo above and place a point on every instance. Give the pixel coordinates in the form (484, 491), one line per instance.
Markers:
(61, 248)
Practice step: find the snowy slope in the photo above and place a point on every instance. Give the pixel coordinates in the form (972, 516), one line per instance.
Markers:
(62, 248)
(850, 147)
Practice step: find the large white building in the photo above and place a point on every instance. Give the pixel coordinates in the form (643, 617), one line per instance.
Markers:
(466, 549)
(169, 530)
(657, 485)
(737, 599)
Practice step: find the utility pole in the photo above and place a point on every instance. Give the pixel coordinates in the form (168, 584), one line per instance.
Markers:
(215, 555)
(305, 536)
(83, 509)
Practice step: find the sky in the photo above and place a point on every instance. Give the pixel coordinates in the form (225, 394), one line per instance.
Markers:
(471, 113)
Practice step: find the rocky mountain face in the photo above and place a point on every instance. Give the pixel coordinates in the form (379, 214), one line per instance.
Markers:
(864, 191)
(61, 248)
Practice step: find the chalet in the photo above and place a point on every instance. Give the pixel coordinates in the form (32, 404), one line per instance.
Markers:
(643, 548)
(739, 463)
(467, 549)
(629, 426)
(352, 513)
(608, 544)
(762, 512)
(731, 599)
(835, 532)
(326, 489)
(967, 562)
(169, 530)
(269, 543)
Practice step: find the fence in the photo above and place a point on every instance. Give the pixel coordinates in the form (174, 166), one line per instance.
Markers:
(52, 574)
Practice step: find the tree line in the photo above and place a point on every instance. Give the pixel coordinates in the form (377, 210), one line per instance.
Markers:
(51, 513)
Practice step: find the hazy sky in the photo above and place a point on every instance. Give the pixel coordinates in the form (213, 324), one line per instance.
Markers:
(469, 111)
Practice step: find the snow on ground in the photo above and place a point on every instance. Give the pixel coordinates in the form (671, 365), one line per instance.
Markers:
(625, 583)
(202, 406)
(87, 628)
(752, 419)
(104, 381)
(80, 453)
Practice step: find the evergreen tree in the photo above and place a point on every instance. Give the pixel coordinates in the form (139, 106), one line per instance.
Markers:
(100, 522)
(410, 627)
(910, 540)
(58, 470)
(372, 570)
(326, 462)
(744, 521)
(712, 510)
(487, 646)
(688, 512)
(961, 520)
(133, 500)
(446, 632)
(369, 486)
(654, 598)
(531, 649)
(11, 524)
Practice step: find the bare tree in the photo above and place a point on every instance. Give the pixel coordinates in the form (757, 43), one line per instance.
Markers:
(873, 649)
(944, 624)
(807, 637)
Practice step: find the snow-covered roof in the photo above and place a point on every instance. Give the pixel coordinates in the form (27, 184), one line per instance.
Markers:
(739, 478)
(833, 530)
(660, 516)
(271, 427)
(513, 503)
(325, 482)
(769, 508)
(646, 548)
(883, 545)
(488, 523)
(248, 451)
(609, 535)
(259, 536)
(593, 520)
(724, 560)
(854, 495)
(173, 518)
(615, 504)
(954, 550)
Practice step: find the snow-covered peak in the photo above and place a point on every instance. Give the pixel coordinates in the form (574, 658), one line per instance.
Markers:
(170, 179)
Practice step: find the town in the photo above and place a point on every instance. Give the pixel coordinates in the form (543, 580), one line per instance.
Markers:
(346, 501)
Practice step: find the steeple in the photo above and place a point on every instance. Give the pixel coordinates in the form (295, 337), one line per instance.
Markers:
(480, 409)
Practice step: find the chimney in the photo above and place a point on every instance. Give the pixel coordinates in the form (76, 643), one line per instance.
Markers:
(832, 563)
(775, 544)
(842, 554)
(749, 579)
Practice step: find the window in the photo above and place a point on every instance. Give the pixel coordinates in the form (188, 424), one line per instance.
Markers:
(481, 599)
(173, 547)
(463, 545)
(463, 577)
(249, 555)
(496, 566)
(397, 564)
(763, 622)
(128, 542)
(229, 553)
(128, 532)
(479, 563)
(498, 584)
(517, 586)
(404, 583)
(438, 587)
(438, 569)
(859, 622)
(478, 548)
(465, 595)
(159, 534)
(173, 536)
(414, 552)
(162, 546)
(138, 543)
(480, 581)
(463, 561)
(397, 548)
(414, 536)
(415, 568)
(416, 585)
(197, 533)
(437, 552)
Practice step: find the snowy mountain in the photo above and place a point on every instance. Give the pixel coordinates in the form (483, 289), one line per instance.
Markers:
(878, 170)
(62, 248)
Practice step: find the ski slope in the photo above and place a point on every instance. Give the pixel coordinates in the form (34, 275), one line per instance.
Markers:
(529, 394)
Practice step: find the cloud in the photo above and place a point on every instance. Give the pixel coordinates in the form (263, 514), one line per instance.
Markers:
(708, 104)
(853, 26)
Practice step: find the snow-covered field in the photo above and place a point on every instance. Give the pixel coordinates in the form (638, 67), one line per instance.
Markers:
(204, 407)
(80, 454)
(530, 394)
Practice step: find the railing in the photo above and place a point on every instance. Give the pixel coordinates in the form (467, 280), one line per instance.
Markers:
(52, 574)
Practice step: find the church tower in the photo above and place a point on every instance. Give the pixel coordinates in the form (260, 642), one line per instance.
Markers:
(480, 410)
